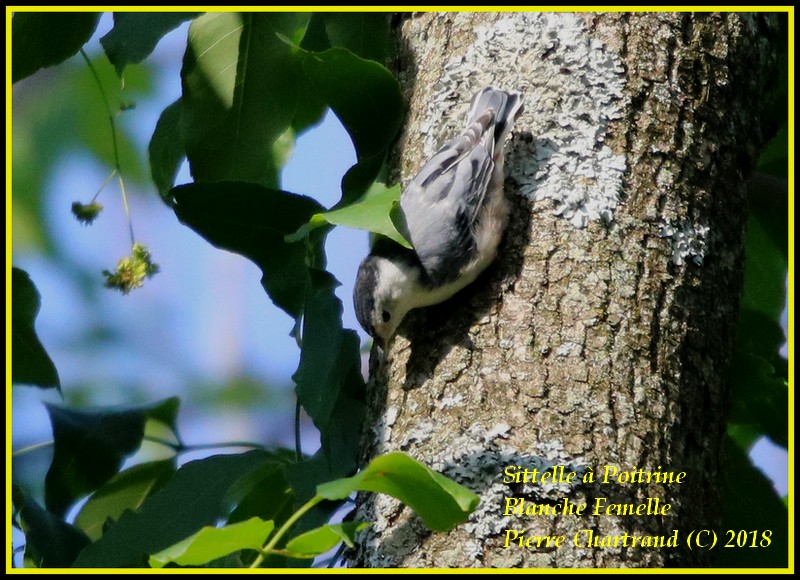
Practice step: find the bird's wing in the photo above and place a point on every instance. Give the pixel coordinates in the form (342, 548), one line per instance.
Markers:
(443, 202)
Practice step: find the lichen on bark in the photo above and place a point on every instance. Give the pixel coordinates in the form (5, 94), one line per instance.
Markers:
(587, 343)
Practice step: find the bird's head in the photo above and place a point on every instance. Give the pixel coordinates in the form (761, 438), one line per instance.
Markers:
(383, 295)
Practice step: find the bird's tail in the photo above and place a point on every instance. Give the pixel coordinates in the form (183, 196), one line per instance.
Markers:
(507, 105)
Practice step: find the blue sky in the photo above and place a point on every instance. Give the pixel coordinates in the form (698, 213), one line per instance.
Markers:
(204, 317)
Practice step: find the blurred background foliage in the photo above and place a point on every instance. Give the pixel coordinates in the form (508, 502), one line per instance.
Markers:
(115, 350)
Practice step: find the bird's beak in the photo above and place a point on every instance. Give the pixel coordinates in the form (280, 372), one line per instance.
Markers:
(379, 348)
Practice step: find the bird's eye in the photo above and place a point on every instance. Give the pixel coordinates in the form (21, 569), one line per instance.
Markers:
(386, 316)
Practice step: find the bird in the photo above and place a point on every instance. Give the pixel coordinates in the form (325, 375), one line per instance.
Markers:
(454, 214)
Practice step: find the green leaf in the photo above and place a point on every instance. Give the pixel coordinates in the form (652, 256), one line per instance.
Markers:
(367, 99)
(757, 332)
(311, 107)
(320, 540)
(331, 389)
(266, 493)
(253, 221)
(774, 159)
(43, 39)
(341, 436)
(317, 374)
(751, 503)
(125, 491)
(374, 213)
(306, 475)
(50, 542)
(167, 150)
(329, 382)
(30, 363)
(315, 38)
(198, 495)
(211, 543)
(365, 34)
(759, 398)
(240, 82)
(360, 178)
(766, 251)
(283, 147)
(136, 34)
(744, 436)
(363, 94)
(439, 501)
(91, 444)
(759, 377)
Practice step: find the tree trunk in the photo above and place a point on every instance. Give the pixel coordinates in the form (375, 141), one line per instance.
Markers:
(602, 335)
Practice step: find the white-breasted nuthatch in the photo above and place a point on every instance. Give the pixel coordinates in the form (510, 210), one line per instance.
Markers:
(455, 215)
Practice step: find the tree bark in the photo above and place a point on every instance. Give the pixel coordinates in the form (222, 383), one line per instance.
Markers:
(602, 335)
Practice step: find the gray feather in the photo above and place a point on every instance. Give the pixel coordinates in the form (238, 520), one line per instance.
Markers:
(443, 203)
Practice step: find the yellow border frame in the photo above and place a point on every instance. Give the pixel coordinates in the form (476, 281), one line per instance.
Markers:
(790, 332)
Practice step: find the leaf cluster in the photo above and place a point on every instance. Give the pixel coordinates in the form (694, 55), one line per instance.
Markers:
(251, 84)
